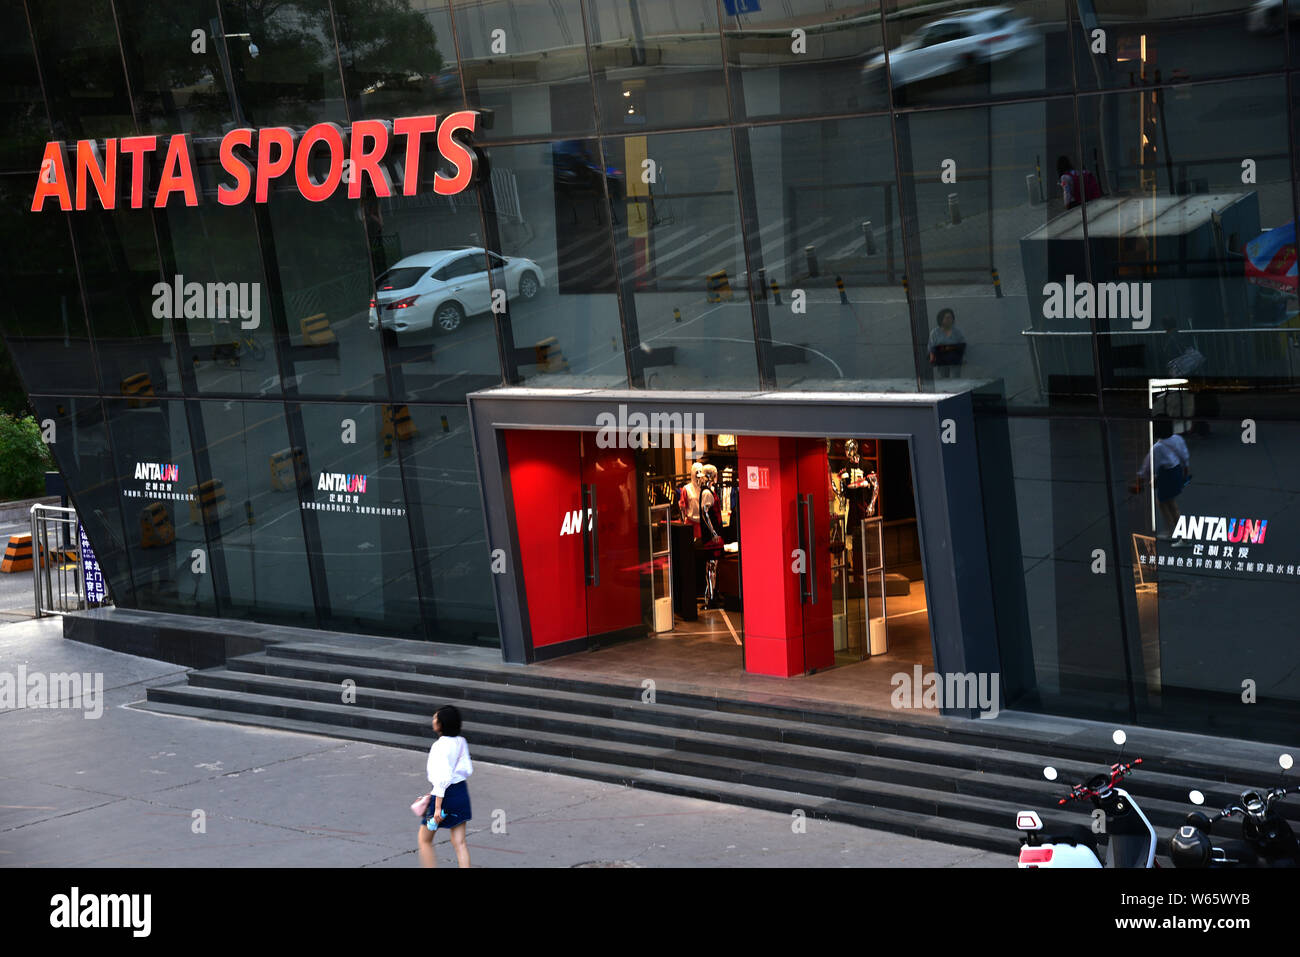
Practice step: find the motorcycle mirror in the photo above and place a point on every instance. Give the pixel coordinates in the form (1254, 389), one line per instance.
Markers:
(1196, 797)
(1119, 737)
(1286, 762)
(1049, 773)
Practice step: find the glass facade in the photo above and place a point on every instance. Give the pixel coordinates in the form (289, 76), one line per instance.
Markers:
(732, 195)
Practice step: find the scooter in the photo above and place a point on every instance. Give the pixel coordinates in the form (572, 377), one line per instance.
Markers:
(1267, 838)
(1132, 838)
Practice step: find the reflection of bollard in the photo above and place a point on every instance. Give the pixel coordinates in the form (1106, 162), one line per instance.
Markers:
(904, 285)
(954, 210)
(839, 284)
(677, 314)
(248, 511)
(810, 255)
(997, 283)
(446, 426)
(870, 237)
(762, 284)
(776, 293)
(1031, 187)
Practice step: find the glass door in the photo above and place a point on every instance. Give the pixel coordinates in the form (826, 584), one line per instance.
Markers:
(612, 539)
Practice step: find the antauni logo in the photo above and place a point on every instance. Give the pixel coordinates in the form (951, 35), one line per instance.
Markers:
(76, 909)
(1098, 300)
(341, 482)
(1210, 528)
(157, 471)
(254, 159)
(573, 522)
(212, 300)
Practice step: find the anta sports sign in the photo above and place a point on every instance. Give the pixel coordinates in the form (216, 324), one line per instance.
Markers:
(319, 160)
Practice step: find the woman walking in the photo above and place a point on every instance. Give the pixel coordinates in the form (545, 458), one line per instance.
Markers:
(449, 768)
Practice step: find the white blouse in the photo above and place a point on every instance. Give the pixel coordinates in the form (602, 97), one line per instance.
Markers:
(448, 763)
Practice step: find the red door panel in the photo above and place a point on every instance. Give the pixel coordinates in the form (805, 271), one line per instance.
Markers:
(546, 482)
(614, 602)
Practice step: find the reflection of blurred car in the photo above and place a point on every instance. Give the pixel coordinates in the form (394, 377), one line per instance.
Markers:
(1266, 16)
(576, 168)
(441, 287)
(966, 39)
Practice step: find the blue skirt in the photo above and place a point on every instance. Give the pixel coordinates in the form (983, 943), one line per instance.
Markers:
(455, 802)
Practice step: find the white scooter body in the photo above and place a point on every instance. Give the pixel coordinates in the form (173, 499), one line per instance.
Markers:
(1074, 855)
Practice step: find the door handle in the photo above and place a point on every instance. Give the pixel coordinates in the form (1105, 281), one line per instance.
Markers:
(591, 536)
(807, 536)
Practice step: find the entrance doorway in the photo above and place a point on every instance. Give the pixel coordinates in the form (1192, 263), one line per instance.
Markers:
(723, 561)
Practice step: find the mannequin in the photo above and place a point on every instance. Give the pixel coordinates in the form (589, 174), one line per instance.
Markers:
(689, 501)
(853, 487)
(711, 535)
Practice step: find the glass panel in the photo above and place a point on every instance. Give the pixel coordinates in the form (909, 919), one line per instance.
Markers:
(324, 267)
(42, 315)
(399, 57)
(293, 77)
(657, 64)
(76, 43)
(355, 511)
(778, 72)
(81, 449)
(992, 49)
(118, 254)
(1201, 228)
(260, 538)
(525, 62)
(826, 210)
(1144, 41)
(451, 555)
(217, 299)
(24, 124)
(682, 263)
(993, 238)
(176, 87)
(167, 505)
(1204, 560)
(1059, 625)
(553, 223)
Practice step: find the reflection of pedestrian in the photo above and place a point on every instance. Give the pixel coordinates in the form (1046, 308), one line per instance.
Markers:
(1167, 467)
(947, 346)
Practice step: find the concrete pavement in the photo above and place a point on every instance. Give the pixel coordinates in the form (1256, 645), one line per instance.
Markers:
(130, 789)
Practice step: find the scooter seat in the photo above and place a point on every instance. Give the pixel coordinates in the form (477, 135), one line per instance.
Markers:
(1075, 834)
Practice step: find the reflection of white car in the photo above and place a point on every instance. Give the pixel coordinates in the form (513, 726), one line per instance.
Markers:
(438, 289)
(1266, 16)
(965, 39)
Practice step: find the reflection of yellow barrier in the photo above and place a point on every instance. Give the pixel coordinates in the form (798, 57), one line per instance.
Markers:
(207, 501)
(156, 528)
(397, 427)
(549, 356)
(718, 287)
(138, 389)
(18, 554)
(316, 330)
(288, 469)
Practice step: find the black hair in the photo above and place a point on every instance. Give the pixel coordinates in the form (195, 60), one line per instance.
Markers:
(1163, 428)
(1063, 164)
(448, 720)
(945, 311)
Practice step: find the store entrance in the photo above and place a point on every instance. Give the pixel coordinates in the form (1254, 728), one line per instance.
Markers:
(722, 558)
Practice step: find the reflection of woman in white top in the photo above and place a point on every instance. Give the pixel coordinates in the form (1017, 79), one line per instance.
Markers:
(448, 769)
(947, 346)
